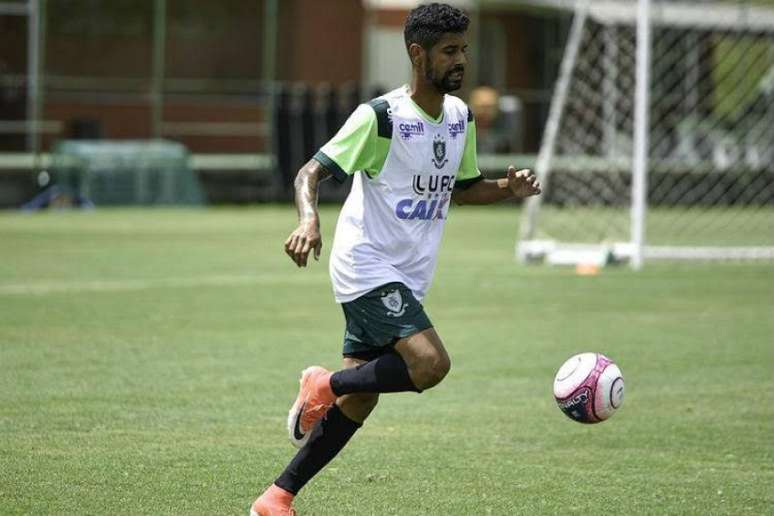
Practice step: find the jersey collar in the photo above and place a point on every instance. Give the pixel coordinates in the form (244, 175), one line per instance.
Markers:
(421, 112)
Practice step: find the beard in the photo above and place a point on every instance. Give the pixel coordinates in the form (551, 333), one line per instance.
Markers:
(445, 83)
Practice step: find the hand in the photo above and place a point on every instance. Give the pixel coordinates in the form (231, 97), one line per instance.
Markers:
(523, 183)
(305, 238)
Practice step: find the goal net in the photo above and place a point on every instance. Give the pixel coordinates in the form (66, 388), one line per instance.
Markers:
(126, 172)
(660, 138)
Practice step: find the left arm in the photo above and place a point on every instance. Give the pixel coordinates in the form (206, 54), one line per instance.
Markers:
(516, 184)
(471, 188)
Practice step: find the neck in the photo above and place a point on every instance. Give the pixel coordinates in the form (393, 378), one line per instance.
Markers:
(426, 96)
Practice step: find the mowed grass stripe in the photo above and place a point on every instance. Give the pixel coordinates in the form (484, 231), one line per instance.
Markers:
(154, 374)
(36, 288)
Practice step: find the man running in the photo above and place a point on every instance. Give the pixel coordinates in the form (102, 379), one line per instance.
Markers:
(411, 151)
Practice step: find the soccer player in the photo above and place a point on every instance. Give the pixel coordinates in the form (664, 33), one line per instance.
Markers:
(411, 151)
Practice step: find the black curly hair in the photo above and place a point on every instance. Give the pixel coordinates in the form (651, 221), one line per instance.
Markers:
(427, 23)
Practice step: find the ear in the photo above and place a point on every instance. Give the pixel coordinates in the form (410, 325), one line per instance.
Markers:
(416, 53)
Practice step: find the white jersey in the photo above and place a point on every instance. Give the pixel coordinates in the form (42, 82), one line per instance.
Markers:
(405, 165)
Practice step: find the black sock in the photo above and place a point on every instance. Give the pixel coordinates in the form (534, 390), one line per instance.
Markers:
(325, 442)
(387, 373)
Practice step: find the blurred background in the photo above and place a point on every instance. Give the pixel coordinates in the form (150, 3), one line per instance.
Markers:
(250, 88)
(198, 102)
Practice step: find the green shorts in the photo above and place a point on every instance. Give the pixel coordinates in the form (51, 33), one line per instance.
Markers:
(380, 318)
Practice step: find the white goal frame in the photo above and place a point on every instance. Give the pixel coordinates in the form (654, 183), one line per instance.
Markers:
(636, 251)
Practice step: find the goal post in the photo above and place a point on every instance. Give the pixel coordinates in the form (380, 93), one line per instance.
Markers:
(660, 137)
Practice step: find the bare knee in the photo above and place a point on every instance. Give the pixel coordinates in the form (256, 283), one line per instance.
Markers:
(357, 407)
(431, 371)
(427, 360)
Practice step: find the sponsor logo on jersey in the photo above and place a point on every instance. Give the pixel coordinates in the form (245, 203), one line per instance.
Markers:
(435, 190)
(409, 129)
(423, 209)
(456, 128)
(424, 185)
(439, 152)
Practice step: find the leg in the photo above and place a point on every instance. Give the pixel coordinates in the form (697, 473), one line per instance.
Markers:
(357, 406)
(329, 437)
(425, 357)
(365, 379)
(375, 322)
(420, 362)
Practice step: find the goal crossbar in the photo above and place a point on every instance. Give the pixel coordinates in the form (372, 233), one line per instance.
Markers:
(686, 15)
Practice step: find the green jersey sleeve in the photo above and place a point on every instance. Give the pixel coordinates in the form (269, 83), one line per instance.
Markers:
(469, 174)
(359, 145)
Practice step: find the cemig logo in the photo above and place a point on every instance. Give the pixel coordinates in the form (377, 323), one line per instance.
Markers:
(409, 129)
(456, 128)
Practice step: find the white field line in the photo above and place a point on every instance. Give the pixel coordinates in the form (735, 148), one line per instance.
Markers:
(56, 287)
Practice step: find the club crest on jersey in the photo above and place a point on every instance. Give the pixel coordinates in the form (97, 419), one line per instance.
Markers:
(439, 152)
(456, 128)
(394, 303)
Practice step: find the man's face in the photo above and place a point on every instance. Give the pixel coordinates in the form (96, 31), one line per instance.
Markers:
(445, 62)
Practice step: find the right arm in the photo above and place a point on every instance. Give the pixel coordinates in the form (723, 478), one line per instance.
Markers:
(306, 236)
(355, 147)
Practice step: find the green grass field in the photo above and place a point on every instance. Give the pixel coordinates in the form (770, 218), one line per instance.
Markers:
(148, 359)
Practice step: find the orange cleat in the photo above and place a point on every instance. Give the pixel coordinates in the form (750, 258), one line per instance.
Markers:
(314, 399)
(275, 501)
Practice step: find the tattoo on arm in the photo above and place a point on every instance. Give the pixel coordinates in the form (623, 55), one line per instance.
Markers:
(306, 185)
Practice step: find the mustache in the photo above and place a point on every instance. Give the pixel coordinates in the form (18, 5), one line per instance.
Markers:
(458, 68)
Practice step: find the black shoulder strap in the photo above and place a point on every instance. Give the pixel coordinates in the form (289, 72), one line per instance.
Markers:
(383, 117)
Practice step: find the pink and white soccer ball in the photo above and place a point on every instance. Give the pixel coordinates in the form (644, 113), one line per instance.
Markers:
(589, 388)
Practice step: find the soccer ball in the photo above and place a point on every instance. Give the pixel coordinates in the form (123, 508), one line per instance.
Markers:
(589, 388)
